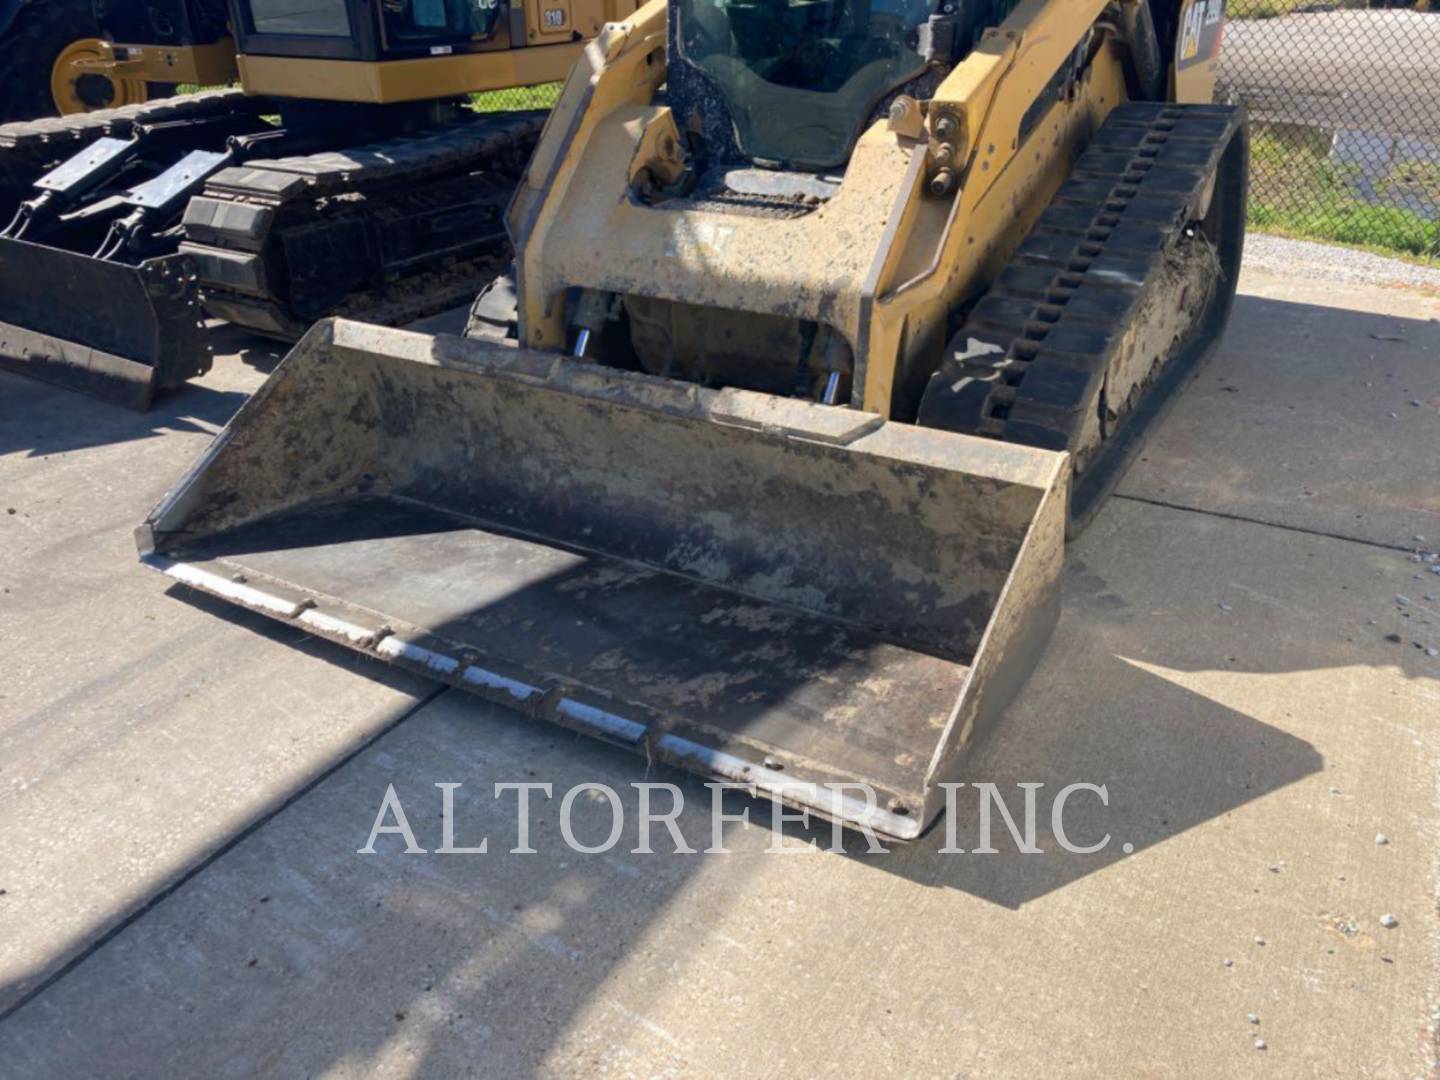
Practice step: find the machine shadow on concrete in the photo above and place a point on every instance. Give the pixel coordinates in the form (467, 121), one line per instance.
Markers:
(505, 952)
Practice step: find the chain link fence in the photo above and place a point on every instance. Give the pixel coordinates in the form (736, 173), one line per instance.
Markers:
(518, 97)
(1344, 100)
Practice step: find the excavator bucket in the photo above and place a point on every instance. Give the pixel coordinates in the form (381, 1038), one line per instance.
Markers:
(115, 331)
(769, 592)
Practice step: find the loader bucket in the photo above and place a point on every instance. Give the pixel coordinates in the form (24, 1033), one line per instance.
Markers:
(764, 591)
(118, 332)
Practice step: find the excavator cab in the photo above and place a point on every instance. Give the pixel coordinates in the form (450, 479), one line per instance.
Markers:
(368, 31)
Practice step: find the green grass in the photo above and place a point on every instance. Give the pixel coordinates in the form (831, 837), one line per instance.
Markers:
(1417, 178)
(543, 96)
(1295, 190)
(1264, 9)
(1273, 9)
(1379, 228)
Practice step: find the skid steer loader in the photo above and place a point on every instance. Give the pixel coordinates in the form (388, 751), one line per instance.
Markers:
(828, 320)
(347, 174)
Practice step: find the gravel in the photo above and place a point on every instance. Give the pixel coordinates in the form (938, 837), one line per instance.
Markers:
(1389, 921)
(1281, 255)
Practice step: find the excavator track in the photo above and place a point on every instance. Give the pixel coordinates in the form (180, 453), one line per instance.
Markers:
(1112, 301)
(28, 148)
(389, 231)
(126, 323)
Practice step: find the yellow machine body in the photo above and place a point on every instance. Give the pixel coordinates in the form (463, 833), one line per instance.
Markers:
(540, 47)
(882, 262)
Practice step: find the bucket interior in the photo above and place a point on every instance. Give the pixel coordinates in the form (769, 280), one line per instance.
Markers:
(801, 587)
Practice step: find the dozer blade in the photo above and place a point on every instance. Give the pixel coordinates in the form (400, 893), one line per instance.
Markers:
(764, 591)
(118, 332)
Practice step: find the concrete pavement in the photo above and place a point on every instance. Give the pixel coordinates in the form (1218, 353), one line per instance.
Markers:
(137, 733)
(1330, 425)
(185, 792)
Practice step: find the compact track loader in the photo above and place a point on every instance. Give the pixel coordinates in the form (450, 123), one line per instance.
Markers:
(828, 320)
(348, 174)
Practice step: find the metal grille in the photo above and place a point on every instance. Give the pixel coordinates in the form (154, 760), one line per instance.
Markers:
(1345, 104)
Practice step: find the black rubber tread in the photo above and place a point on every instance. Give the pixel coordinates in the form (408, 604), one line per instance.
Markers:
(83, 127)
(418, 296)
(254, 222)
(29, 149)
(1058, 311)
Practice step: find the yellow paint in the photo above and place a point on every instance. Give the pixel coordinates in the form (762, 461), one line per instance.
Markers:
(623, 67)
(1197, 82)
(204, 65)
(883, 261)
(420, 79)
(84, 57)
(548, 54)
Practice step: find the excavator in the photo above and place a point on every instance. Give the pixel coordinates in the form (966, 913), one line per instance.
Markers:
(346, 174)
(55, 61)
(829, 321)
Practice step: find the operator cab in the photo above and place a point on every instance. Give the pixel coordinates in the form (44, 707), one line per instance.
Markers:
(792, 84)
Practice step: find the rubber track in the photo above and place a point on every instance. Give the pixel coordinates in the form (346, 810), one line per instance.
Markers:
(234, 227)
(1059, 310)
(33, 143)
